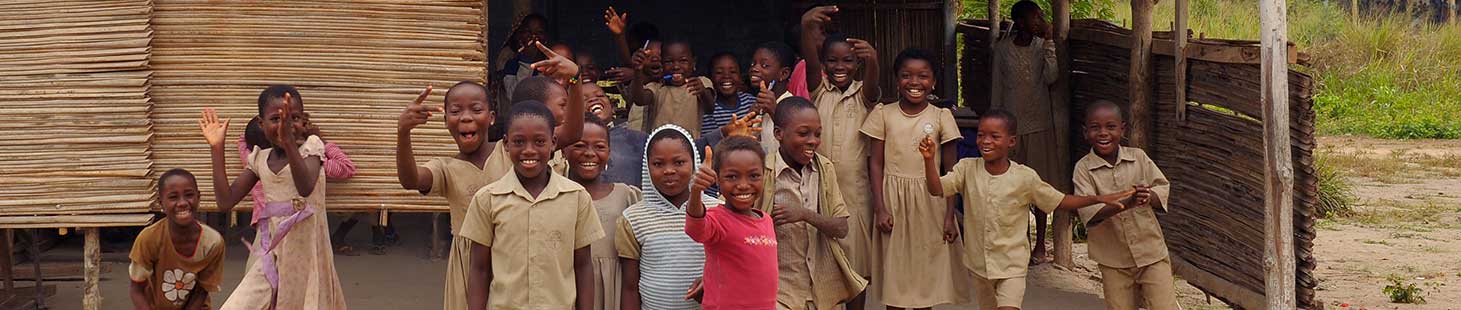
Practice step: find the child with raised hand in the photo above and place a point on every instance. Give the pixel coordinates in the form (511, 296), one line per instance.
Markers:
(531, 230)
(807, 207)
(559, 93)
(587, 160)
(730, 100)
(468, 117)
(295, 238)
(1126, 244)
(771, 72)
(1025, 68)
(337, 167)
(843, 102)
(740, 241)
(919, 255)
(658, 260)
(678, 97)
(996, 192)
(626, 155)
(177, 263)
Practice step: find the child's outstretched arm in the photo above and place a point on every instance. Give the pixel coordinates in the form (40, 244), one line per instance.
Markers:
(697, 226)
(226, 195)
(811, 41)
(304, 179)
(617, 23)
(408, 173)
(637, 94)
(563, 70)
(870, 74)
(479, 276)
(930, 168)
(1112, 200)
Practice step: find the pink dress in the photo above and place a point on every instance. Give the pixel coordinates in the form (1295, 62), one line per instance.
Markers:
(740, 258)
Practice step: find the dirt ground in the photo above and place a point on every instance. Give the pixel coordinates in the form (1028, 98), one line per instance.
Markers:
(1407, 226)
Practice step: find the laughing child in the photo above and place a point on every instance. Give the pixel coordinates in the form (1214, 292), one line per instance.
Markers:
(1126, 244)
(740, 241)
(730, 100)
(626, 154)
(177, 262)
(587, 161)
(531, 230)
(997, 193)
(678, 97)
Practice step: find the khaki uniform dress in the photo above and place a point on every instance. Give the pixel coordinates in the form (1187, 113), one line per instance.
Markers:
(996, 217)
(843, 113)
(917, 268)
(532, 240)
(606, 258)
(675, 105)
(1128, 247)
(814, 272)
(172, 276)
(305, 259)
(458, 180)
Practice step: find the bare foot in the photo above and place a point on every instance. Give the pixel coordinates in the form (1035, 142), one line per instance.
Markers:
(1038, 256)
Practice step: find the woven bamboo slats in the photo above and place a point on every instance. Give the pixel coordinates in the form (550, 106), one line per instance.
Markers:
(74, 82)
(356, 64)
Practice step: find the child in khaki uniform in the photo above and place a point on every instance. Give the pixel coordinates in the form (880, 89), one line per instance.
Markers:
(679, 97)
(843, 103)
(996, 192)
(587, 162)
(531, 229)
(809, 213)
(1126, 244)
(162, 276)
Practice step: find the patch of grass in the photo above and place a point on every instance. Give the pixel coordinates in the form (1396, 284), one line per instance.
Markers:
(1404, 293)
(1379, 242)
(1336, 197)
(1326, 224)
(1417, 217)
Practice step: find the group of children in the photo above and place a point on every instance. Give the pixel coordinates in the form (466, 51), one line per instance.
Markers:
(767, 217)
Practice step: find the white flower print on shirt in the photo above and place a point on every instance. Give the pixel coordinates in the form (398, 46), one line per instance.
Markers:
(176, 284)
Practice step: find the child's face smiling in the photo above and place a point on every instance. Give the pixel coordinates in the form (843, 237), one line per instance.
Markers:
(739, 178)
(179, 199)
(597, 102)
(272, 120)
(994, 139)
(915, 81)
(557, 101)
(765, 67)
(671, 166)
(586, 158)
(529, 144)
(652, 63)
(800, 137)
(1104, 130)
(840, 63)
(468, 117)
(679, 59)
(726, 74)
(588, 70)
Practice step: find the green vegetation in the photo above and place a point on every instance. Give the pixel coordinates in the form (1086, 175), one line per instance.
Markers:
(1335, 197)
(1404, 293)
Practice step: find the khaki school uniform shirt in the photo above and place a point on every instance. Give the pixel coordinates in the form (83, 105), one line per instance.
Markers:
(532, 240)
(458, 180)
(811, 266)
(996, 215)
(675, 105)
(843, 113)
(173, 277)
(1132, 238)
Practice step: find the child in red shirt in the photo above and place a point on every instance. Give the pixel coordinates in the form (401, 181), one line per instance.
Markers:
(739, 239)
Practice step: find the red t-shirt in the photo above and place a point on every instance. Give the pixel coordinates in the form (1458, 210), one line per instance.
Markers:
(740, 258)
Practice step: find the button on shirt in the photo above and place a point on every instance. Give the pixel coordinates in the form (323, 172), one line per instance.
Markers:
(1132, 238)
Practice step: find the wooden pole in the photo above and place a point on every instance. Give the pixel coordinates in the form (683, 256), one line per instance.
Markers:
(1140, 79)
(1060, 96)
(993, 38)
(35, 259)
(1354, 8)
(1278, 172)
(1179, 32)
(91, 268)
(7, 261)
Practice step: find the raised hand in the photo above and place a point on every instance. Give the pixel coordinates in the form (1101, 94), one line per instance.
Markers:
(765, 100)
(746, 126)
(416, 113)
(213, 130)
(781, 214)
(556, 66)
(818, 15)
(927, 148)
(695, 86)
(863, 50)
(619, 74)
(704, 177)
(616, 21)
(286, 122)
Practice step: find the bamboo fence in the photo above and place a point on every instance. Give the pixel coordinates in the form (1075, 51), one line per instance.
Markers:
(1214, 158)
(357, 64)
(74, 78)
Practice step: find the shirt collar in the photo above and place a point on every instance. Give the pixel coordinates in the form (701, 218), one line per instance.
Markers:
(509, 184)
(779, 165)
(1124, 154)
(852, 89)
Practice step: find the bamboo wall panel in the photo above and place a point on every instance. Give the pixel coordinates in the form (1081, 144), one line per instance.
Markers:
(74, 79)
(357, 64)
(1214, 159)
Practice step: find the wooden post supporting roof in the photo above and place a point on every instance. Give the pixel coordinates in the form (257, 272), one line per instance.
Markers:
(1278, 172)
(1060, 96)
(91, 263)
(1139, 84)
(1179, 33)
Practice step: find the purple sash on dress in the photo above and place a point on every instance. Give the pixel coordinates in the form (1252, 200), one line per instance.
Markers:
(295, 211)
